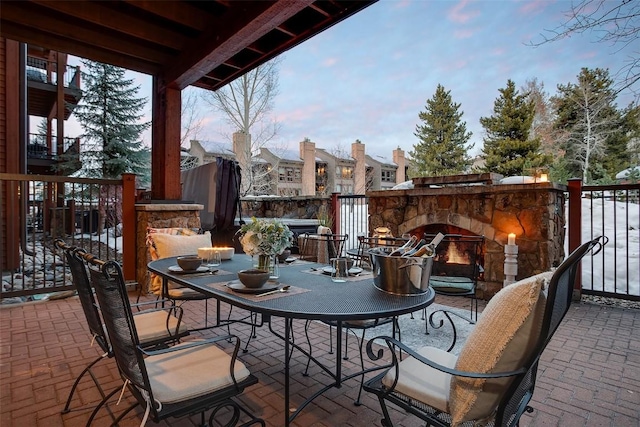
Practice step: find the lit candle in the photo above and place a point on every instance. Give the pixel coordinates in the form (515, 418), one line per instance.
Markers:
(512, 239)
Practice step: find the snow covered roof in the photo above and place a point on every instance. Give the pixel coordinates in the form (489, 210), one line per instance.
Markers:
(216, 147)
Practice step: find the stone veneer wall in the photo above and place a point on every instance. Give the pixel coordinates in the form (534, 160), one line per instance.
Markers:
(302, 207)
(160, 215)
(535, 213)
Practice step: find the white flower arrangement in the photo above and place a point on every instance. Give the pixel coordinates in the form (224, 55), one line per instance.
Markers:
(265, 237)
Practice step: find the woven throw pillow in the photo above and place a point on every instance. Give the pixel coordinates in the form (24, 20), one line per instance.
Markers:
(176, 231)
(502, 340)
(164, 243)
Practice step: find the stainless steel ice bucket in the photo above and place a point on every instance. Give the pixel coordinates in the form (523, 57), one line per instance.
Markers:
(400, 275)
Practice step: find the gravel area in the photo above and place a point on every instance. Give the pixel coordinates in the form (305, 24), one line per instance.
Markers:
(614, 302)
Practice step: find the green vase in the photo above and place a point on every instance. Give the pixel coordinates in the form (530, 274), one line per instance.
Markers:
(264, 262)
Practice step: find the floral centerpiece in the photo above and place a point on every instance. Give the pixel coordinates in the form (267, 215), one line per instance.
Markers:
(265, 238)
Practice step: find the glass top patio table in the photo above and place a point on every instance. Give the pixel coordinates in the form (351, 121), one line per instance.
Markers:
(314, 297)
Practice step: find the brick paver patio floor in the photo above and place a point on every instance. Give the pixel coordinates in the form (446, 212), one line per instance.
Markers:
(589, 374)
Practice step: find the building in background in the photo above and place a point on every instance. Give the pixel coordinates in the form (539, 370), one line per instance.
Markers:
(310, 171)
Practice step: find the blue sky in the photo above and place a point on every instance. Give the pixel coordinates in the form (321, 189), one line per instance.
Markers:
(369, 76)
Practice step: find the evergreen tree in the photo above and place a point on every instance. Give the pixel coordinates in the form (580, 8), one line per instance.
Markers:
(443, 137)
(508, 149)
(110, 114)
(591, 126)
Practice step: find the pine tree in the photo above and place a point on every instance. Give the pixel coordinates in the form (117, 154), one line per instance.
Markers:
(110, 115)
(443, 137)
(508, 149)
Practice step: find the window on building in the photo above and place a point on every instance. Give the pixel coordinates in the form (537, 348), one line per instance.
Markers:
(388, 176)
(344, 172)
(289, 174)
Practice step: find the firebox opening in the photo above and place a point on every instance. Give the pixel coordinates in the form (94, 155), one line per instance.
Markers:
(459, 255)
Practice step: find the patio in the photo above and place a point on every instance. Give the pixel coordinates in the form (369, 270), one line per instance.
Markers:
(589, 374)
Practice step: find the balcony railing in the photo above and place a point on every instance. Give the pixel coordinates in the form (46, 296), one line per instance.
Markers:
(41, 70)
(37, 147)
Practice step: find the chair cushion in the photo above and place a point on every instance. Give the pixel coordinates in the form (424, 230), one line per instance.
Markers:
(189, 373)
(169, 242)
(451, 284)
(422, 382)
(152, 325)
(502, 340)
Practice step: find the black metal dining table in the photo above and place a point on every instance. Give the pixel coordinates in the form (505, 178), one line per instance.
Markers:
(312, 296)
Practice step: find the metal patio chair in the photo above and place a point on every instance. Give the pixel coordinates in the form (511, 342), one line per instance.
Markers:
(158, 327)
(188, 378)
(493, 378)
(322, 247)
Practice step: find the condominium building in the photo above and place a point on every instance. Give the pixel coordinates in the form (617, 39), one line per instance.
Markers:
(310, 171)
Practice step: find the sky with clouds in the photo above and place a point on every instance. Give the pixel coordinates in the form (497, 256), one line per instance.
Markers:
(369, 76)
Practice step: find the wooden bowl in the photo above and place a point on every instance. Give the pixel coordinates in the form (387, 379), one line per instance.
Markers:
(189, 262)
(253, 278)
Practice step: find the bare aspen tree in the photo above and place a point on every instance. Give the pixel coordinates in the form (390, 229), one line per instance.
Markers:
(614, 22)
(246, 103)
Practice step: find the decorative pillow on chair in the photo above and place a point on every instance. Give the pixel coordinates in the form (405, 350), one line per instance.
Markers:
(164, 243)
(502, 340)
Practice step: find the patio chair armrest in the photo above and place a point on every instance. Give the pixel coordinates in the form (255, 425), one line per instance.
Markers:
(191, 344)
(395, 345)
(439, 323)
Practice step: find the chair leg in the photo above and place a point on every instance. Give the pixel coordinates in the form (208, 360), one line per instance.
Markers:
(77, 381)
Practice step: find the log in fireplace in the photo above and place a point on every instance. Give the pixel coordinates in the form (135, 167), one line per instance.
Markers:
(481, 205)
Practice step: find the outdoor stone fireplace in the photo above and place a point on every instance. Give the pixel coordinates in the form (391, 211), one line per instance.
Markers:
(479, 205)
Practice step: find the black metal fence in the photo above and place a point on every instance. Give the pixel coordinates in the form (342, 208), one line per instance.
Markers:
(613, 211)
(40, 208)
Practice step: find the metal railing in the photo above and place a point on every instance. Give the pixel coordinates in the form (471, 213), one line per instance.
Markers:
(38, 149)
(613, 211)
(44, 71)
(352, 217)
(40, 208)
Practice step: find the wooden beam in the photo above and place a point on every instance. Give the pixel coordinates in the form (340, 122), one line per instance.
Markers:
(77, 48)
(106, 15)
(220, 42)
(165, 142)
(48, 28)
(178, 11)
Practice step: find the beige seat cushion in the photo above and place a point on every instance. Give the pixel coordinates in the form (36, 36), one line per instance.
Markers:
(189, 373)
(423, 382)
(502, 340)
(164, 243)
(153, 325)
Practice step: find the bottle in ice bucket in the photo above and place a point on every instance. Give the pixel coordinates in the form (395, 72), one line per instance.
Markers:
(406, 247)
(429, 249)
(414, 250)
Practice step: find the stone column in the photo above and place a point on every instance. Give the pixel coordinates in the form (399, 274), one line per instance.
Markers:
(360, 170)
(308, 156)
(160, 215)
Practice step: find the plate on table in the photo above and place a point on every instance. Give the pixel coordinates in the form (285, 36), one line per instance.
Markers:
(290, 260)
(237, 286)
(176, 269)
(352, 271)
